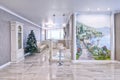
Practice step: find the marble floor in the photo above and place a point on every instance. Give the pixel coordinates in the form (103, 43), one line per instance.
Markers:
(37, 67)
(65, 54)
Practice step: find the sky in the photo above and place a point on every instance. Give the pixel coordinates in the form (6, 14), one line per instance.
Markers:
(94, 20)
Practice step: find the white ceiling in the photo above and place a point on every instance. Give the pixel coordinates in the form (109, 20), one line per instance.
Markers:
(40, 11)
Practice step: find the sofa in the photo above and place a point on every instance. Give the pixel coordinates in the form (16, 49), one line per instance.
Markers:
(42, 46)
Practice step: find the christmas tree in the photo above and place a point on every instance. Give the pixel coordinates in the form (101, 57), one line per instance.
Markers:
(31, 45)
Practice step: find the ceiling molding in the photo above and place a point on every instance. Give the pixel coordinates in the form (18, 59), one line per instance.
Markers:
(17, 15)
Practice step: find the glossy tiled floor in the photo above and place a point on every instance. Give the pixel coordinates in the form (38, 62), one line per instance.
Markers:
(37, 68)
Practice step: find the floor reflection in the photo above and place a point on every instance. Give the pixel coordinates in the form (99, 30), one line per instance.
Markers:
(37, 68)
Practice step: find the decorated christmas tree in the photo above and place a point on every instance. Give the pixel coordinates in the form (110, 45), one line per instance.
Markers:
(31, 45)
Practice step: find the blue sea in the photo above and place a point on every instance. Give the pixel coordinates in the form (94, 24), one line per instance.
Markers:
(103, 41)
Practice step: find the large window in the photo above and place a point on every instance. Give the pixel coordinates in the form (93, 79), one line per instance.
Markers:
(55, 34)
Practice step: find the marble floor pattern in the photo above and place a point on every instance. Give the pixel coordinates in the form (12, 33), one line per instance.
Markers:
(37, 67)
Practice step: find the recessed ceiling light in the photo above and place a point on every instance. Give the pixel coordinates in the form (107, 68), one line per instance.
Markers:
(108, 9)
(88, 9)
(98, 9)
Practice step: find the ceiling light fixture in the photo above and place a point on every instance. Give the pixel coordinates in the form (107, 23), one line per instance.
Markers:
(88, 9)
(108, 9)
(51, 23)
(98, 9)
(64, 24)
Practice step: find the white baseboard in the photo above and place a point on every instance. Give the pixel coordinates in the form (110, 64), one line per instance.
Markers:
(4, 65)
(94, 61)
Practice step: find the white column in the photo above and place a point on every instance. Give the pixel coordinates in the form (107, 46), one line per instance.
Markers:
(112, 38)
(74, 37)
